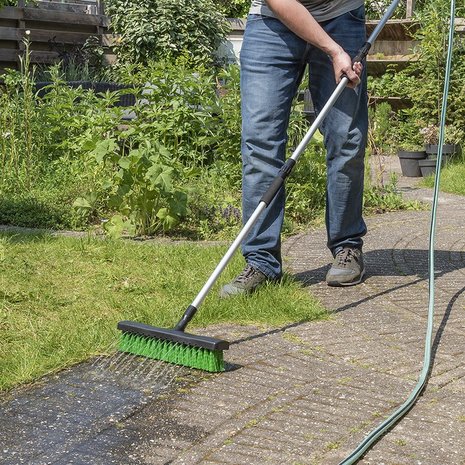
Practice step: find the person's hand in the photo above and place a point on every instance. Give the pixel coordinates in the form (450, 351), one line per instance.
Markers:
(342, 65)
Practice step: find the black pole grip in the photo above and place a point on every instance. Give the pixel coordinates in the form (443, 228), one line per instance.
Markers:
(271, 192)
(188, 315)
(277, 183)
(362, 53)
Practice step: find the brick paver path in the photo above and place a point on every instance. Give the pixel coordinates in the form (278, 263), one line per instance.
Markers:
(306, 394)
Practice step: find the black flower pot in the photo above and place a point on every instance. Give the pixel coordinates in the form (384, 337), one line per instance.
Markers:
(427, 166)
(447, 149)
(446, 157)
(409, 162)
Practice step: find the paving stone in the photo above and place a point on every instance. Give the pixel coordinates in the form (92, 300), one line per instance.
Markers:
(305, 394)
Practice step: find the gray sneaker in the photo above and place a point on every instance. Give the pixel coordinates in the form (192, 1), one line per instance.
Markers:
(347, 269)
(245, 283)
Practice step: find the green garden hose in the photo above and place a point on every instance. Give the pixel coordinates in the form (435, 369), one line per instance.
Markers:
(372, 437)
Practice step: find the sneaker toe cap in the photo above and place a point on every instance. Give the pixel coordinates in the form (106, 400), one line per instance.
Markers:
(230, 290)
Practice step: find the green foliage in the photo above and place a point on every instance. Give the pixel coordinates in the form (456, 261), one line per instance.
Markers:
(41, 169)
(8, 3)
(405, 125)
(21, 123)
(452, 177)
(168, 143)
(174, 168)
(233, 8)
(430, 68)
(179, 110)
(382, 199)
(375, 10)
(392, 83)
(166, 29)
(141, 186)
(214, 204)
(230, 120)
(35, 210)
(68, 114)
(306, 187)
(79, 62)
(380, 131)
(422, 82)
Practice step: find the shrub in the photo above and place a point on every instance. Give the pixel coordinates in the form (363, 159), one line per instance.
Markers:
(167, 29)
(8, 3)
(233, 8)
(141, 186)
(428, 68)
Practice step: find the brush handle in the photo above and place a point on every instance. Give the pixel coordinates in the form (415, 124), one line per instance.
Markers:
(188, 315)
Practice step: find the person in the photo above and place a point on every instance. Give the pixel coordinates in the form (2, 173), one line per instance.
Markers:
(280, 39)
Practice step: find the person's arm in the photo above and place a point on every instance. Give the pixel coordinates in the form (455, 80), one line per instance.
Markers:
(299, 20)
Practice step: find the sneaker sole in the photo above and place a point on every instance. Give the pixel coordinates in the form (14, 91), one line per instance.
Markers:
(351, 283)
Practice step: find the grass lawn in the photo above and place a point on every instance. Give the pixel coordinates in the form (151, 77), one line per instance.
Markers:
(452, 179)
(61, 297)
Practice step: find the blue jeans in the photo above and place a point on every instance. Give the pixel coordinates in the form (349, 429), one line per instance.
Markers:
(273, 60)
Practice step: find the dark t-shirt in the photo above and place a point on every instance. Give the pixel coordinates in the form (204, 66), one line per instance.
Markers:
(320, 9)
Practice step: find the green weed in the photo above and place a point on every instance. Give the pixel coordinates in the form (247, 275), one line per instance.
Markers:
(452, 179)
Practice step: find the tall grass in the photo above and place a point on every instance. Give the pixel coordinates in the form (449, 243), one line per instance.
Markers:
(452, 179)
(21, 137)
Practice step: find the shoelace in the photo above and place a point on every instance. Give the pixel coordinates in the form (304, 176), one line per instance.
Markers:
(345, 256)
(245, 273)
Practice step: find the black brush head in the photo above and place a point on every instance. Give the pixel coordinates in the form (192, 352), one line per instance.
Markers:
(173, 335)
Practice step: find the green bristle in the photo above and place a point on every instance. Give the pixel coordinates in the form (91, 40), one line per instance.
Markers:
(173, 352)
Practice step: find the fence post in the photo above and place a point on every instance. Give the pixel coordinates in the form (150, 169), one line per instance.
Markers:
(100, 13)
(410, 8)
(21, 25)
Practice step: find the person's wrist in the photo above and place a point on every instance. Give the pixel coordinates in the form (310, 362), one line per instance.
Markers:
(335, 51)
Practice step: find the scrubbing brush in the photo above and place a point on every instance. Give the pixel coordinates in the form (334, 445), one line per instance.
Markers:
(205, 353)
(172, 345)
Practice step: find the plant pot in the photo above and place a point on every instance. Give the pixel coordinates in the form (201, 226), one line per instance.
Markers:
(409, 162)
(449, 149)
(446, 157)
(427, 166)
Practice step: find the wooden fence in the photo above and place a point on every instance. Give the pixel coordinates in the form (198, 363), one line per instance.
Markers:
(58, 28)
(55, 29)
(393, 46)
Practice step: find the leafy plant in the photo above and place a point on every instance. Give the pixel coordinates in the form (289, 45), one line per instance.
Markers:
(78, 62)
(233, 8)
(166, 29)
(382, 199)
(41, 169)
(428, 68)
(8, 3)
(213, 206)
(452, 134)
(228, 124)
(375, 10)
(380, 137)
(452, 178)
(141, 185)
